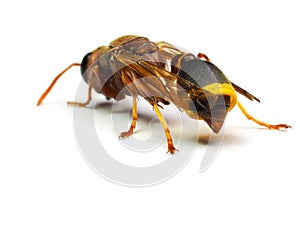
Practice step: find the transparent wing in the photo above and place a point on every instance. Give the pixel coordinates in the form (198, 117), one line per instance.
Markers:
(149, 80)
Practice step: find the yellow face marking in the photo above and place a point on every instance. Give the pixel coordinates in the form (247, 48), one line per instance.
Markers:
(216, 89)
(223, 89)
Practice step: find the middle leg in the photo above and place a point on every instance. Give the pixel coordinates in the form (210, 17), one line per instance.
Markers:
(134, 120)
(171, 148)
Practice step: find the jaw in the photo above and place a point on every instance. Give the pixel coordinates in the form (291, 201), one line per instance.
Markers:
(213, 110)
(216, 118)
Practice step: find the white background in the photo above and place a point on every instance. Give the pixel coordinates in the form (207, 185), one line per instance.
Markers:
(44, 179)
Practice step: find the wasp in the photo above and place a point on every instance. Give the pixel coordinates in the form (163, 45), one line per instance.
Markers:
(161, 74)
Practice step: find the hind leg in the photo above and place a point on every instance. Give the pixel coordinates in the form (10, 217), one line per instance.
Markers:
(83, 104)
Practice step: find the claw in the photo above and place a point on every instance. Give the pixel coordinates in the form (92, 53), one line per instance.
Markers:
(126, 134)
(279, 126)
(171, 149)
(270, 126)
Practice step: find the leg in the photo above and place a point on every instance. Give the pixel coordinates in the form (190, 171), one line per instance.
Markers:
(83, 104)
(270, 126)
(203, 56)
(171, 148)
(44, 95)
(134, 119)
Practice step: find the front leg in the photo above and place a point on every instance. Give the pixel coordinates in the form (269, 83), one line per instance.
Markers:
(270, 126)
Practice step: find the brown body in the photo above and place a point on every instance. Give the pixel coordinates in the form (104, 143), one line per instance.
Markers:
(161, 73)
(107, 73)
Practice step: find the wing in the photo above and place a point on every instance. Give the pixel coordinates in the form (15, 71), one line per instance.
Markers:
(169, 52)
(149, 80)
